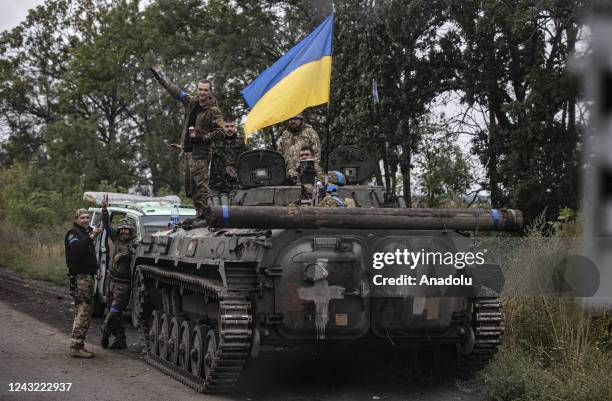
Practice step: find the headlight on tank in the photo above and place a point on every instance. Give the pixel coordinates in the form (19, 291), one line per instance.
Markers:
(191, 248)
(316, 271)
(261, 173)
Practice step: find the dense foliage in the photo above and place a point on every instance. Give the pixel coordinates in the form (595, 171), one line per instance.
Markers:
(79, 110)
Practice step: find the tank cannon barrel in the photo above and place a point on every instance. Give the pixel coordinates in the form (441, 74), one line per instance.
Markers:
(266, 217)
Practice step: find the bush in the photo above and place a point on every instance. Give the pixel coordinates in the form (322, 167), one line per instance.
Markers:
(36, 253)
(28, 198)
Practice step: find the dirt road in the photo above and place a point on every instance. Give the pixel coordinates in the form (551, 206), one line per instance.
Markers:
(36, 319)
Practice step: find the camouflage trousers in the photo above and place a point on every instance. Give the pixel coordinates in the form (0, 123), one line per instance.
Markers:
(82, 292)
(186, 166)
(199, 183)
(118, 297)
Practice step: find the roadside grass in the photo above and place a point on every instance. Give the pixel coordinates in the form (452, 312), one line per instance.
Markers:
(37, 254)
(552, 348)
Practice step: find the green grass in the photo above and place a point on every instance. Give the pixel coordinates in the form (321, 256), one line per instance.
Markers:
(519, 375)
(38, 254)
(553, 349)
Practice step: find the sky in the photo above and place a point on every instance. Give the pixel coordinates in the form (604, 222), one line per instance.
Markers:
(13, 12)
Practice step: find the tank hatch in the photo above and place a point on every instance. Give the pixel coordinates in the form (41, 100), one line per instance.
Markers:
(353, 162)
(261, 167)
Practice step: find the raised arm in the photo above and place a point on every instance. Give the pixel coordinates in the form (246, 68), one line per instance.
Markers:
(172, 88)
(110, 231)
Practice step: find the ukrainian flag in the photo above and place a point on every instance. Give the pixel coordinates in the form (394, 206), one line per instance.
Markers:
(300, 78)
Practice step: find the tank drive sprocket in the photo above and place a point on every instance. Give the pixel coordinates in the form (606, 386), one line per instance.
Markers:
(487, 320)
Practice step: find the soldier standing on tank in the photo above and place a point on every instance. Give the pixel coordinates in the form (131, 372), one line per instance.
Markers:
(82, 265)
(120, 285)
(202, 125)
(298, 134)
(225, 158)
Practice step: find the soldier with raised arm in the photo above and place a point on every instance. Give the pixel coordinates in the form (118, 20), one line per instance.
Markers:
(202, 125)
(120, 270)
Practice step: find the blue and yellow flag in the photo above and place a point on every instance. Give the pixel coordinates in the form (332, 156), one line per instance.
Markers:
(300, 78)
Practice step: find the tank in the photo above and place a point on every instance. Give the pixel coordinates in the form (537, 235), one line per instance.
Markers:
(271, 267)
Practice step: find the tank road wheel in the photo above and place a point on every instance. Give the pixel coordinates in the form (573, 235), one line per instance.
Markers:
(198, 349)
(184, 346)
(154, 332)
(164, 335)
(173, 341)
(211, 353)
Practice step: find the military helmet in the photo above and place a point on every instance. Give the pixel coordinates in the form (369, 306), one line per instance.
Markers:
(335, 177)
(331, 188)
(126, 223)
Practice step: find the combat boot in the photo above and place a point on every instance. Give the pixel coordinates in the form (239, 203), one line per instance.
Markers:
(119, 343)
(104, 339)
(80, 352)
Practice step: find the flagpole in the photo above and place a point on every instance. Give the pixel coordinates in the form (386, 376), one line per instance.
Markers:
(327, 144)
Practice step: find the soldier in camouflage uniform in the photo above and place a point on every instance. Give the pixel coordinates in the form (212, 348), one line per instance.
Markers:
(82, 265)
(331, 198)
(307, 153)
(296, 135)
(202, 125)
(120, 285)
(225, 159)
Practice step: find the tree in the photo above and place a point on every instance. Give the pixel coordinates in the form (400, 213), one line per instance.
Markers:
(443, 171)
(514, 63)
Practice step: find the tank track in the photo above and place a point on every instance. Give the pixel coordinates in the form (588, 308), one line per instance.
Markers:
(487, 323)
(234, 334)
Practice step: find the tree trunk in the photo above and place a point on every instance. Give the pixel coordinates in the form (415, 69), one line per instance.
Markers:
(492, 162)
(406, 160)
(383, 152)
(571, 109)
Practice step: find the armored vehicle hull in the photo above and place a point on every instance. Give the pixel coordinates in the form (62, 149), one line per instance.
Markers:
(208, 299)
(264, 271)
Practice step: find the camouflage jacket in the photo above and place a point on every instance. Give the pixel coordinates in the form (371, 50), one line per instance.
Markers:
(121, 258)
(208, 122)
(332, 201)
(291, 143)
(225, 153)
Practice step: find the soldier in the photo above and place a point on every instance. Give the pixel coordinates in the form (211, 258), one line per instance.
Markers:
(307, 153)
(334, 179)
(82, 265)
(225, 158)
(202, 125)
(331, 197)
(293, 138)
(120, 285)
(309, 178)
